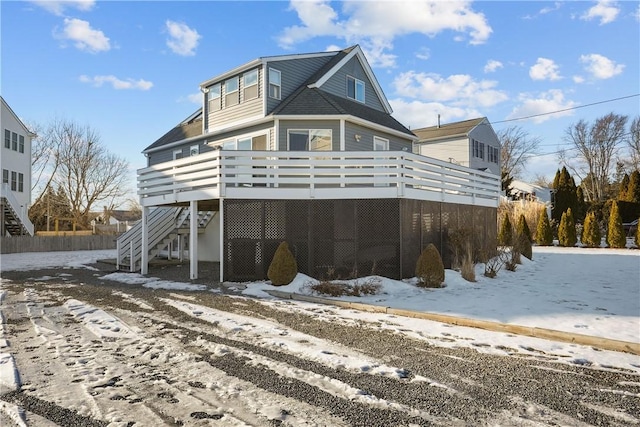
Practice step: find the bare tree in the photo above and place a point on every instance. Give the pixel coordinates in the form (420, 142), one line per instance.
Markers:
(596, 147)
(44, 160)
(516, 147)
(633, 142)
(86, 171)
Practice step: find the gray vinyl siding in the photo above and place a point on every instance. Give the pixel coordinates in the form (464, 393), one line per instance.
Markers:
(294, 72)
(485, 134)
(337, 84)
(285, 125)
(366, 139)
(234, 113)
(166, 155)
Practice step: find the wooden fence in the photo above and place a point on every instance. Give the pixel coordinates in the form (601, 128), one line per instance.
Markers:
(16, 244)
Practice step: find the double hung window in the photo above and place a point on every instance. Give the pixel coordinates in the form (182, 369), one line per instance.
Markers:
(231, 93)
(214, 96)
(250, 85)
(310, 140)
(275, 83)
(355, 89)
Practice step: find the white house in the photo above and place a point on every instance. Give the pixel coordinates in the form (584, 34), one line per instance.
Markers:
(15, 158)
(471, 143)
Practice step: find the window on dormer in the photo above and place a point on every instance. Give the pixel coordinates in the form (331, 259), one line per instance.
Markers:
(355, 89)
(275, 83)
(214, 96)
(231, 92)
(250, 85)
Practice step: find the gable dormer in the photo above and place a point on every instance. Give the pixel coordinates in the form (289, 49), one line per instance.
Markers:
(352, 77)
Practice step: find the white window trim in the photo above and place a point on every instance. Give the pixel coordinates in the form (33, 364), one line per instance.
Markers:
(218, 144)
(355, 89)
(279, 85)
(176, 153)
(383, 140)
(218, 98)
(245, 86)
(236, 91)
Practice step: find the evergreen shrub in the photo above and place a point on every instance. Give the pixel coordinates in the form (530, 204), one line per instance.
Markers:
(567, 230)
(615, 231)
(505, 235)
(429, 268)
(283, 267)
(591, 236)
(544, 234)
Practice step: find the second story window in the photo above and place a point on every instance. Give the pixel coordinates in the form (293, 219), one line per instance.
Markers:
(355, 89)
(231, 92)
(7, 138)
(478, 149)
(14, 181)
(5, 176)
(310, 140)
(21, 183)
(14, 141)
(250, 85)
(214, 97)
(21, 143)
(275, 83)
(493, 154)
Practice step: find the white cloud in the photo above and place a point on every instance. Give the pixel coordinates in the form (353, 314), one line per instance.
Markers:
(637, 14)
(182, 39)
(374, 25)
(117, 83)
(578, 79)
(84, 37)
(544, 69)
(58, 7)
(605, 10)
(418, 114)
(195, 98)
(601, 67)
(550, 9)
(492, 65)
(458, 89)
(542, 104)
(423, 53)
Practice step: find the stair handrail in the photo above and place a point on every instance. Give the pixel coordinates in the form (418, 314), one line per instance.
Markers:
(20, 213)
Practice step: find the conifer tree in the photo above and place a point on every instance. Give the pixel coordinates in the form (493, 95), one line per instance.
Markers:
(624, 185)
(523, 238)
(567, 230)
(505, 235)
(581, 204)
(544, 235)
(565, 194)
(283, 267)
(591, 236)
(615, 231)
(633, 190)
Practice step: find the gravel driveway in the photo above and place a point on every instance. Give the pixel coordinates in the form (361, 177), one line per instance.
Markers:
(165, 366)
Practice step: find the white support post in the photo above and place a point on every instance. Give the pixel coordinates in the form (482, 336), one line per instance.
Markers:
(169, 250)
(180, 248)
(144, 250)
(221, 207)
(117, 254)
(193, 240)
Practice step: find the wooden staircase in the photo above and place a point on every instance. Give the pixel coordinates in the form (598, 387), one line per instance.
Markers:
(165, 225)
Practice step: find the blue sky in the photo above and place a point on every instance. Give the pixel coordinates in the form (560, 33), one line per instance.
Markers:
(131, 70)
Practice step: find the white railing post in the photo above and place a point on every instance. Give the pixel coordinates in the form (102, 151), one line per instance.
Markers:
(193, 241)
(132, 261)
(117, 254)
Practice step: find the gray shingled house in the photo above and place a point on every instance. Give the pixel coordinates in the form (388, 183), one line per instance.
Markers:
(301, 148)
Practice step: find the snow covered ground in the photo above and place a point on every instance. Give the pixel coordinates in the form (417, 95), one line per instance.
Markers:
(588, 291)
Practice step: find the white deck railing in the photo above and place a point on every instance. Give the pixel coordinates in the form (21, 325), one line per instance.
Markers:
(20, 212)
(315, 174)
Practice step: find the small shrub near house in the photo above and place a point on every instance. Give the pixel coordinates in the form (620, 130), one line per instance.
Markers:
(591, 236)
(371, 286)
(429, 268)
(567, 230)
(505, 234)
(544, 234)
(523, 238)
(615, 231)
(283, 267)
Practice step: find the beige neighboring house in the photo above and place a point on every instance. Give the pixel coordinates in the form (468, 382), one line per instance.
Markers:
(117, 220)
(15, 193)
(471, 143)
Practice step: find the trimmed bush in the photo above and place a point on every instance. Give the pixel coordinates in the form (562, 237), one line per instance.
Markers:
(544, 234)
(429, 268)
(505, 235)
(283, 267)
(567, 230)
(523, 228)
(591, 236)
(615, 231)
